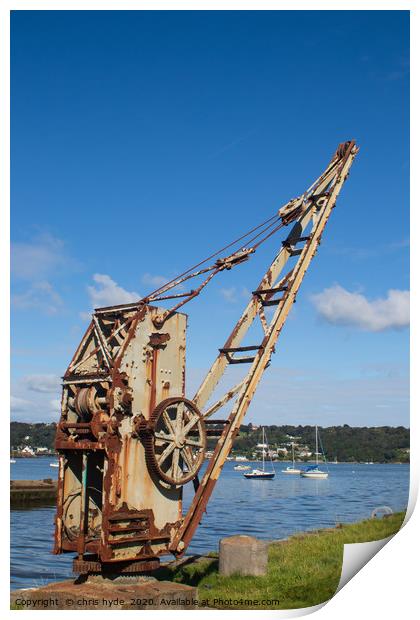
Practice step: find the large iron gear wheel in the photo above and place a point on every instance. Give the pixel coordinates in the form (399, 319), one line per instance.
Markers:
(176, 443)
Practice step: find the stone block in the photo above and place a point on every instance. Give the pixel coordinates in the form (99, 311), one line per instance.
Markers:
(243, 555)
(151, 594)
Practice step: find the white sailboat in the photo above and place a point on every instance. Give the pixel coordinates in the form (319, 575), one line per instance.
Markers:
(313, 471)
(261, 473)
(293, 469)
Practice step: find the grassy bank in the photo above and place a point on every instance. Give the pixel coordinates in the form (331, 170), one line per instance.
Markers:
(304, 570)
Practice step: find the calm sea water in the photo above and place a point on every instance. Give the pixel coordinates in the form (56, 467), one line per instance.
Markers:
(269, 509)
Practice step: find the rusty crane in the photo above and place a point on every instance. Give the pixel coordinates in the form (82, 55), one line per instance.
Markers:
(128, 438)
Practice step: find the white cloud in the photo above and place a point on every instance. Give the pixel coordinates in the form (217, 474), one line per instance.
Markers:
(154, 280)
(313, 396)
(37, 262)
(108, 293)
(19, 405)
(229, 295)
(55, 406)
(42, 383)
(308, 396)
(341, 307)
(38, 259)
(232, 295)
(36, 398)
(41, 296)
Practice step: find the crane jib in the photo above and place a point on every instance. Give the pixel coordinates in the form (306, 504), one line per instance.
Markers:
(128, 438)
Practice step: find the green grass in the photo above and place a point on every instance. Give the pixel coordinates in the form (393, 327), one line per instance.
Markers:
(303, 571)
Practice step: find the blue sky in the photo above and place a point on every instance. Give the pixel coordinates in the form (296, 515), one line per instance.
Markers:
(141, 141)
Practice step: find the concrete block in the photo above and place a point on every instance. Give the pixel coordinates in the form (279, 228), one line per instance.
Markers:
(30, 492)
(244, 555)
(151, 594)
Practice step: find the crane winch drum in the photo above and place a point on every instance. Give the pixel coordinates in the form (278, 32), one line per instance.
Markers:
(128, 437)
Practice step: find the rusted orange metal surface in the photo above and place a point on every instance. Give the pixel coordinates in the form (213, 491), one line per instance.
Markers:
(128, 437)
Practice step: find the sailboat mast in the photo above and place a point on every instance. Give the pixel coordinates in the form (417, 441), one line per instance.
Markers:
(293, 454)
(263, 451)
(316, 443)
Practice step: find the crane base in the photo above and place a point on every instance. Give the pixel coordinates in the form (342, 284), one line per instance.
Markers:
(114, 569)
(106, 594)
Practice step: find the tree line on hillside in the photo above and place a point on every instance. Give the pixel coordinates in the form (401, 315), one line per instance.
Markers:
(346, 443)
(38, 435)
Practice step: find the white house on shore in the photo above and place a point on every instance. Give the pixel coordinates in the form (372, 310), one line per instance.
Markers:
(28, 451)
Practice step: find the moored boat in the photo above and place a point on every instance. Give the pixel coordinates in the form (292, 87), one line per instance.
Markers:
(313, 471)
(292, 469)
(262, 474)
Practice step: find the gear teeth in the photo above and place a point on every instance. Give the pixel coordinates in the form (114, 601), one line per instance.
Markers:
(148, 441)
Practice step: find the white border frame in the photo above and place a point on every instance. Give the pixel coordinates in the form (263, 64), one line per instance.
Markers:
(387, 585)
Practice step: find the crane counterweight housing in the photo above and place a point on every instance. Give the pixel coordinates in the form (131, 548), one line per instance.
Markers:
(129, 438)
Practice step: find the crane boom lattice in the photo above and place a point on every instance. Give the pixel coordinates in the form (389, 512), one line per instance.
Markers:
(128, 438)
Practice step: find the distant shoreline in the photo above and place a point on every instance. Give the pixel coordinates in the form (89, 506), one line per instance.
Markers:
(299, 463)
(384, 444)
(311, 462)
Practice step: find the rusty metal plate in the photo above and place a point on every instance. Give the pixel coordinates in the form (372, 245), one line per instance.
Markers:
(83, 567)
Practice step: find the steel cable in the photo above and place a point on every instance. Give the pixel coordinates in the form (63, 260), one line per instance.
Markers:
(177, 280)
